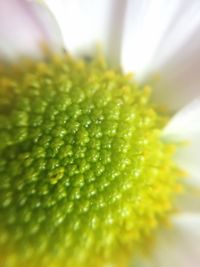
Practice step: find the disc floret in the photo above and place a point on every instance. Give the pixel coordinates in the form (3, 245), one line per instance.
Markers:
(85, 176)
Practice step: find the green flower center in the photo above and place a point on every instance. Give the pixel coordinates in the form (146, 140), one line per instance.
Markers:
(84, 174)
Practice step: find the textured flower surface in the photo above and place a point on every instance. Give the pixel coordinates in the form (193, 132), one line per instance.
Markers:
(92, 162)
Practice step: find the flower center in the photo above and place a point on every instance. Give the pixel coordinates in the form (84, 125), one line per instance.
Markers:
(84, 174)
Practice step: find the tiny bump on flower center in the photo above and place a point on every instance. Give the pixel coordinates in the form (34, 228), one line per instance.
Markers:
(85, 176)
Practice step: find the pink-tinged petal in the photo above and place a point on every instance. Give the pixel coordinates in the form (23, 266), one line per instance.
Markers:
(177, 246)
(185, 126)
(85, 24)
(161, 42)
(24, 27)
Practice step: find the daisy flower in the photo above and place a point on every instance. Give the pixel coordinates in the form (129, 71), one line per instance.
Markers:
(98, 166)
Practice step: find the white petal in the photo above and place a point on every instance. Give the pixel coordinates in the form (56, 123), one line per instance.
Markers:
(145, 24)
(189, 201)
(186, 122)
(85, 24)
(178, 246)
(24, 26)
(162, 37)
(188, 158)
(185, 126)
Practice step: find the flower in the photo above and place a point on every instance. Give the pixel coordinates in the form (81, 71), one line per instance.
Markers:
(148, 38)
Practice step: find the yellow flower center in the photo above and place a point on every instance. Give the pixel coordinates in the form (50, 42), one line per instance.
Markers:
(84, 174)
